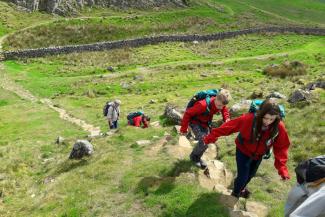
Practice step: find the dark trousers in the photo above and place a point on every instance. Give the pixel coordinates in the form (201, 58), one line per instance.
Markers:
(114, 125)
(200, 148)
(246, 170)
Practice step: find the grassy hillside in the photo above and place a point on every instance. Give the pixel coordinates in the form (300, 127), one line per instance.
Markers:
(201, 17)
(123, 178)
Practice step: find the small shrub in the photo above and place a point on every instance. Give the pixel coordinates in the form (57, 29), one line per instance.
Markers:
(286, 69)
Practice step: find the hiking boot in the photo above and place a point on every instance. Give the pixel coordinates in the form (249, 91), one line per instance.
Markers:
(245, 193)
(200, 164)
(203, 164)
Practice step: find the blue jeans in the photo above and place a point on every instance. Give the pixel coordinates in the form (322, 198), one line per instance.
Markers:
(246, 170)
(114, 125)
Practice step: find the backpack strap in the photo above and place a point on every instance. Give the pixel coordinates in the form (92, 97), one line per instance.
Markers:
(240, 137)
(253, 130)
(208, 101)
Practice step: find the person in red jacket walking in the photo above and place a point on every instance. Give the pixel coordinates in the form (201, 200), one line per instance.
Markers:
(257, 134)
(139, 120)
(199, 120)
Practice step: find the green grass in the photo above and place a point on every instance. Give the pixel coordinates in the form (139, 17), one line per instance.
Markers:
(201, 17)
(121, 178)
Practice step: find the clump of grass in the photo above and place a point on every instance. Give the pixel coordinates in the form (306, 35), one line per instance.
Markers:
(286, 69)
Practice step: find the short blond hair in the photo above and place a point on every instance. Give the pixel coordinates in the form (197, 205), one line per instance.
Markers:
(224, 96)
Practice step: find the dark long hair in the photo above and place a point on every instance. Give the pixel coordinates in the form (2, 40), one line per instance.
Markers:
(270, 107)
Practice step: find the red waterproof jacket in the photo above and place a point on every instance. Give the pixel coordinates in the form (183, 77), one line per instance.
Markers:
(195, 114)
(137, 121)
(243, 125)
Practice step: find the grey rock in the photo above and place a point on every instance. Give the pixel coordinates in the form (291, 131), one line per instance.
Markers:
(60, 140)
(299, 95)
(125, 85)
(80, 149)
(240, 108)
(143, 142)
(276, 95)
(138, 78)
(172, 114)
(64, 7)
(153, 101)
(314, 85)
(110, 69)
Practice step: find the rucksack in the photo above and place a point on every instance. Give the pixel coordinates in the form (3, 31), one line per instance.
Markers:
(106, 107)
(133, 115)
(254, 107)
(256, 103)
(311, 170)
(205, 94)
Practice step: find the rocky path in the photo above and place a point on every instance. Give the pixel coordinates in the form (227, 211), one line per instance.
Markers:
(8, 84)
(218, 178)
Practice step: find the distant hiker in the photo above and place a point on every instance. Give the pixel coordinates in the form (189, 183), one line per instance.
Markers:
(307, 197)
(258, 132)
(138, 119)
(112, 111)
(199, 114)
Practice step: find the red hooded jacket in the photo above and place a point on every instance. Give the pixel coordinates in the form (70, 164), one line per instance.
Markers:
(195, 114)
(137, 121)
(244, 124)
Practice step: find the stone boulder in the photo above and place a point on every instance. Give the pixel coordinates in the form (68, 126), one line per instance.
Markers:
(276, 95)
(80, 149)
(172, 114)
(239, 213)
(314, 85)
(228, 201)
(143, 142)
(66, 7)
(240, 108)
(254, 207)
(299, 96)
(60, 140)
(182, 150)
(216, 174)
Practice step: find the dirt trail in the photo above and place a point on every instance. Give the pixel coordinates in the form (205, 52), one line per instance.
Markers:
(8, 84)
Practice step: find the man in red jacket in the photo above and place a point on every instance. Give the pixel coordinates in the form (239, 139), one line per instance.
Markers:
(199, 120)
(257, 134)
(140, 120)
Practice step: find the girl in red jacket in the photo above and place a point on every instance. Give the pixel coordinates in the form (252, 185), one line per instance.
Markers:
(140, 120)
(257, 134)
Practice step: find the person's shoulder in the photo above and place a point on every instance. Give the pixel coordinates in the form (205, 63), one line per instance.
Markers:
(281, 125)
(247, 116)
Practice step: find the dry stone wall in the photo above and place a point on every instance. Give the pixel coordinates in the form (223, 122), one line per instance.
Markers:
(40, 52)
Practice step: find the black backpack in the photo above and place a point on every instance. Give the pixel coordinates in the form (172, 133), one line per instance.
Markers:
(133, 115)
(311, 170)
(106, 107)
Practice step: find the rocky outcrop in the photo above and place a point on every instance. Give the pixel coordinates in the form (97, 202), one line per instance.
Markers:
(172, 114)
(66, 7)
(80, 149)
(299, 95)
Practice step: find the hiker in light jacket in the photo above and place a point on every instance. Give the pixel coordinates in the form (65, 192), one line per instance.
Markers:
(113, 114)
(257, 133)
(307, 197)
